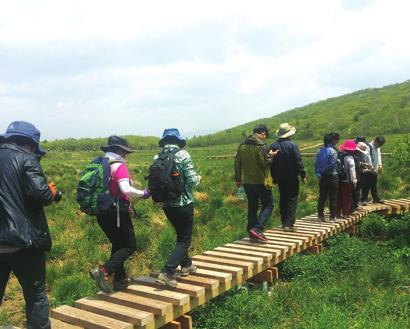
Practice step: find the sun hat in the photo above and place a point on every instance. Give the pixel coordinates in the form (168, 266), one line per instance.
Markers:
(261, 129)
(348, 145)
(24, 129)
(116, 141)
(172, 136)
(285, 130)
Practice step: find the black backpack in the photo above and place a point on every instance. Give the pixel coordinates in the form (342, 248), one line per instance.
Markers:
(164, 180)
(341, 166)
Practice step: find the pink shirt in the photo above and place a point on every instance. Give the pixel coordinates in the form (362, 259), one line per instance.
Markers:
(119, 172)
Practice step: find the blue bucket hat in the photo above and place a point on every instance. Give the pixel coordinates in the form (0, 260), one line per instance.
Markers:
(172, 136)
(24, 129)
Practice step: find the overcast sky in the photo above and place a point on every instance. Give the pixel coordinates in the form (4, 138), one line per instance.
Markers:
(92, 68)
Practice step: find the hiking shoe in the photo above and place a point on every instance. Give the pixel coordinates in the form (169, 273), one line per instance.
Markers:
(332, 219)
(263, 236)
(255, 235)
(289, 229)
(122, 284)
(320, 218)
(185, 271)
(100, 275)
(167, 280)
(378, 201)
(364, 203)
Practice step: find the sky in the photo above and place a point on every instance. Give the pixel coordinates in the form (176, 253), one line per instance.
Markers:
(92, 68)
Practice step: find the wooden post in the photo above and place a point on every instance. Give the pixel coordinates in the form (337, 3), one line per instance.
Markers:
(316, 249)
(269, 275)
(183, 322)
(353, 230)
(172, 325)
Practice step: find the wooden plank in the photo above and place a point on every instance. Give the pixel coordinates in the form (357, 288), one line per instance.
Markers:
(306, 226)
(258, 262)
(267, 257)
(175, 298)
(57, 324)
(307, 239)
(222, 277)
(281, 254)
(310, 235)
(333, 227)
(245, 245)
(186, 321)
(156, 307)
(279, 246)
(237, 272)
(298, 244)
(86, 319)
(246, 266)
(172, 325)
(115, 311)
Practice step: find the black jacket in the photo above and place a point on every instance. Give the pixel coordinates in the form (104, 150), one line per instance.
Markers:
(287, 165)
(23, 194)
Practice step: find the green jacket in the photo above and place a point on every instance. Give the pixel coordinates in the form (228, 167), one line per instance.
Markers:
(185, 166)
(252, 162)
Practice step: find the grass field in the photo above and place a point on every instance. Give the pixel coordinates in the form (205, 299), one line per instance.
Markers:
(367, 287)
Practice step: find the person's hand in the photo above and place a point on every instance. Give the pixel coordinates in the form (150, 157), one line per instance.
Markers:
(273, 153)
(304, 180)
(238, 184)
(53, 188)
(147, 194)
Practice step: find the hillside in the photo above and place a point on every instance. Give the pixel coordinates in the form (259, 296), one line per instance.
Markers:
(366, 112)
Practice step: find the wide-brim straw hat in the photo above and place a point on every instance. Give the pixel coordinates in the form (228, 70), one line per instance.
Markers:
(117, 142)
(349, 145)
(285, 130)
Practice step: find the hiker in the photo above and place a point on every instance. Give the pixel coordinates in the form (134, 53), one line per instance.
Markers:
(116, 220)
(24, 232)
(252, 172)
(286, 168)
(370, 178)
(171, 179)
(327, 171)
(348, 178)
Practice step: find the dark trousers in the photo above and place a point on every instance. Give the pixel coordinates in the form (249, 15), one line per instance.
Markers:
(344, 199)
(328, 188)
(182, 219)
(28, 265)
(254, 193)
(289, 191)
(356, 194)
(369, 184)
(122, 239)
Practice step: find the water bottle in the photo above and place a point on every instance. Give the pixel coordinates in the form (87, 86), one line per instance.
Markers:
(241, 194)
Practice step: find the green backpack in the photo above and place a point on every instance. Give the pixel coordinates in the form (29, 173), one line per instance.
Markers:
(93, 194)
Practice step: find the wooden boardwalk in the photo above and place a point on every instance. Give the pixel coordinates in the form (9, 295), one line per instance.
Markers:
(148, 305)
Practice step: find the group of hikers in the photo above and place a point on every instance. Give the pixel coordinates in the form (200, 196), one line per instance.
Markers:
(106, 190)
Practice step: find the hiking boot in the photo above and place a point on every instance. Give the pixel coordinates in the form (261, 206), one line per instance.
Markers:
(167, 280)
(364, 203)
(378, 201)
(332, 219)
(185, 271)
(121, 285)
(100, 275)
(320, 218)
(289, 229)
(255, 235)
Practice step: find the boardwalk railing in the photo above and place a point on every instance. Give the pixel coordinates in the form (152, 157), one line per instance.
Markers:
(148, 305)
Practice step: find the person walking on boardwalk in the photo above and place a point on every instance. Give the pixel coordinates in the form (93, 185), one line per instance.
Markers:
(172, 178)
(116, 220)
(371, 178)
(348, 178)
(286, 168)
(252, 164)
(24, 232)
(326, 168)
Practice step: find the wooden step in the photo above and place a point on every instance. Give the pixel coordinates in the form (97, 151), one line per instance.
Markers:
(57, 324)
(175, 298)
(267, 257)
(237, 272)
(258, 262)
(246, 266)
(86, 319)
(115, 311)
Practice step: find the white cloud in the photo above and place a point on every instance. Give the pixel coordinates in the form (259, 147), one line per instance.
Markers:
(138, 67)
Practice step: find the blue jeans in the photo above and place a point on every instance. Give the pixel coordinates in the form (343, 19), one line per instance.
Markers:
(29, 266)
(254, 193)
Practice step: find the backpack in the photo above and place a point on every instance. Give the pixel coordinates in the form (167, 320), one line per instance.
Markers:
(341, 170)
(164, 180)
(93, 194)
(322, 161)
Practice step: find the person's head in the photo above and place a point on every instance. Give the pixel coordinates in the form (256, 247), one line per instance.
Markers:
(331, 138)
(379, 141)
(360, 139)
(117, 145)
(171, 136)
(285, 131)
(262, 131)
(25, 135)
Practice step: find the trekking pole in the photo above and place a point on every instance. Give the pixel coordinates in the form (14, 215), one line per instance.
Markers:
(118, 212)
